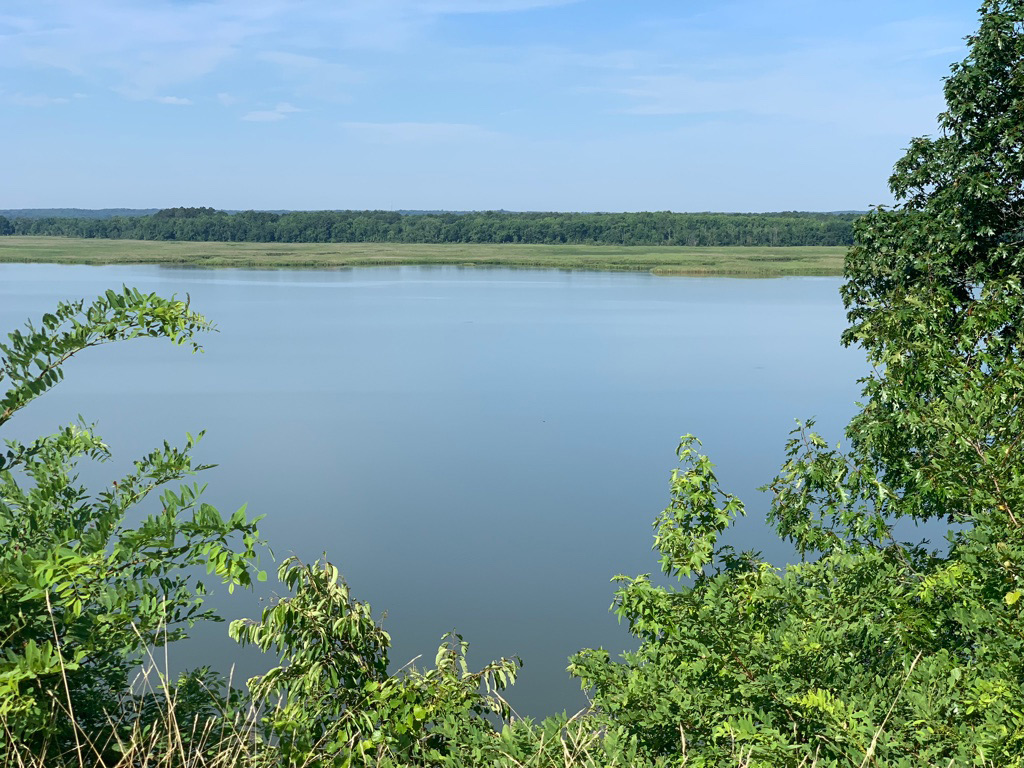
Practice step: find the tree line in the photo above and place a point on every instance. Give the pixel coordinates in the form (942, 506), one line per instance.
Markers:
(650, 229)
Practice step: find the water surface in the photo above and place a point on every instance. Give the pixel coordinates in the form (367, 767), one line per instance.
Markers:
(477, 449)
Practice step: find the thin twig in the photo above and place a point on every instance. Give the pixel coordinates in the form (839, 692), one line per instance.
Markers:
(64, 679)
(874, 740)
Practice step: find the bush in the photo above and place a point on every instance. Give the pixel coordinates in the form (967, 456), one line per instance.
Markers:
(872, 651)
(83, 597)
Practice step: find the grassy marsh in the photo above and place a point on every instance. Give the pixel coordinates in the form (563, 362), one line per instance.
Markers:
(665, 260)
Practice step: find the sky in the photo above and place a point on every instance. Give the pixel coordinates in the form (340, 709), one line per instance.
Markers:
(567, 105)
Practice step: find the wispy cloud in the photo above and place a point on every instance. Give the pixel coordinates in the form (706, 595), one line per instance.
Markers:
(143, 49)
(419, 133)
(781, 94)
(138, 50)
(310, 77)
(480, 6)
(278, 113)
(392, 24)
(837, 82)
(584, 102)
(34, 100)
(290, 60)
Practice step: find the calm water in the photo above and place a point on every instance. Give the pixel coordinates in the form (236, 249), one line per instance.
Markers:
(479, 450)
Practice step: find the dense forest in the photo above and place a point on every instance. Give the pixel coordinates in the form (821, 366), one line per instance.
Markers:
(665, 228)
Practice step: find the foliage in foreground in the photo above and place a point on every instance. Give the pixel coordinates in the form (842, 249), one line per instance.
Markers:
(82, 595)
(85, 600)
(873, 650)
(869, 652)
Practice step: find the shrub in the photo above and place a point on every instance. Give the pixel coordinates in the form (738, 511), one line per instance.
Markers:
(83, 596)
(872, 651)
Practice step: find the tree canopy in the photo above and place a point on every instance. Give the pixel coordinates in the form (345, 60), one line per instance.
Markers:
(662, 228)
(872, 651)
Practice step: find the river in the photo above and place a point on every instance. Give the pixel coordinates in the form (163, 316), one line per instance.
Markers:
(476, 449)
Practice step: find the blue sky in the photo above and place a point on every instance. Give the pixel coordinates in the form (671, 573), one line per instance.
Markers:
(614, 105)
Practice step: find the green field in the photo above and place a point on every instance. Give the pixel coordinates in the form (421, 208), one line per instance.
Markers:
(738, 261)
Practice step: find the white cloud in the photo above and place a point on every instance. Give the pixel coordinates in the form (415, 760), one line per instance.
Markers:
(35, 100)
(844, 82)
(480, 6)
(278, 113)
(552, 81)
(314, 71)
(138, 50)
(419, 133)
(263, 116)
(143, 49)
(290, 60)
(392, 25)
(321, 78)
(556, 58)
(175, 100)
(806, 96)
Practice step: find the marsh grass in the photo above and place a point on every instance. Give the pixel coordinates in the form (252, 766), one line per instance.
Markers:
(208, 744)
(228, 739)
(232, 740)
(667, 260)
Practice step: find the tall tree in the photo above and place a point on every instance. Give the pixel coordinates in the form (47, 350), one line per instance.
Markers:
(934, 295)
(872, 651)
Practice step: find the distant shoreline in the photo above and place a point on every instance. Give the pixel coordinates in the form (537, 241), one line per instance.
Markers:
(738, 261)
(108, 213)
